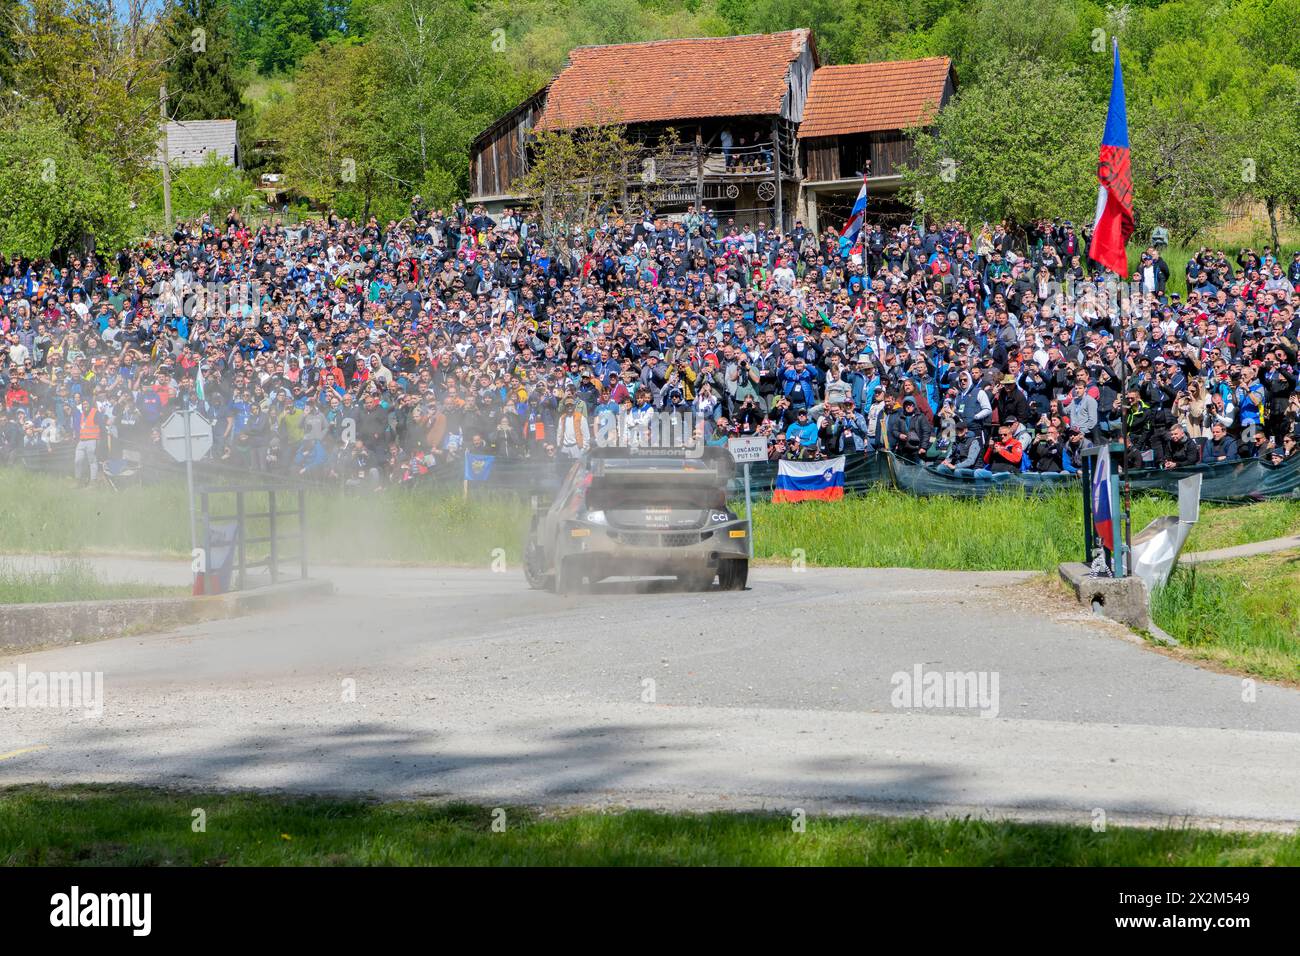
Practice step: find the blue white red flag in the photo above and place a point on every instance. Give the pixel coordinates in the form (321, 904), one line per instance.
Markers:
(1114, 223)
(810, 480)
(857, 217)
(1102, 519)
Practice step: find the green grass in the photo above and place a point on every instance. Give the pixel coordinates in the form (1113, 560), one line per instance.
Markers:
(46, 514)
(1242, 615)
(70, 581)
(882, 528)
(99, 826)
(1000, 532)
(1177, 256)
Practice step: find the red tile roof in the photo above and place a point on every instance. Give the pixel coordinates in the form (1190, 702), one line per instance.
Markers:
(668, 80)
(865, 97)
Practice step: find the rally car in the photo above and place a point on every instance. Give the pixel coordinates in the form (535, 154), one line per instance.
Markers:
(629, 513)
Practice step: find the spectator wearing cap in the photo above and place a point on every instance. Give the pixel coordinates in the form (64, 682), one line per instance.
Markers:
(803, 435)
(909, 430)
(1006, 453)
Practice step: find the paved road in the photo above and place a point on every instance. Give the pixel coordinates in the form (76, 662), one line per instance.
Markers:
(467, 684)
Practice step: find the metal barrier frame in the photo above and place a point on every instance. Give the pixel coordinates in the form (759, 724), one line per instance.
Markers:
(277, 539)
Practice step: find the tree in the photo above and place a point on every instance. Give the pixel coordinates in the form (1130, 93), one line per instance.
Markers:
(54, 196)
(573, 172)
(97, 64)
(202, 80)
(333, 140)
(277, 34)
(211, 187)
(11, 15)
(1187, 169)
(1018, 147)
(1271, 166)
(436, 93)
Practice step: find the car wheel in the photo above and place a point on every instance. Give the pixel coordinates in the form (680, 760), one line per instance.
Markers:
(732, 575)
(533, 571)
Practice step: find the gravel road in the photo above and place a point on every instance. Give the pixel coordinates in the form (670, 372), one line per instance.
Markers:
(454, 683)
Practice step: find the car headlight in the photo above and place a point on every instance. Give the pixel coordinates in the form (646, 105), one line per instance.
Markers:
(595, 517)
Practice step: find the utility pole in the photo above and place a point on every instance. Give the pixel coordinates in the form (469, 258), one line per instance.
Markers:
(166, 158)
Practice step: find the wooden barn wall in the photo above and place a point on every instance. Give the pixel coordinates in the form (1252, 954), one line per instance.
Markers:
(797, 82)
(498, 160)
(822, 159)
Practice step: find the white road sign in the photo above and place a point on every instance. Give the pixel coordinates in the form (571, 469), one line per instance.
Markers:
(200, 436)
(749, 449)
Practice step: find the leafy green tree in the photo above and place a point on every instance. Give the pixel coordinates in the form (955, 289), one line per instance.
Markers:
(11, 15)
(211, 187)
(1020, 146)
(333, 141)
(202, 72)
(98, 67)
(54, 195)
(1186, 170)
(1271, 164)
(275, 35)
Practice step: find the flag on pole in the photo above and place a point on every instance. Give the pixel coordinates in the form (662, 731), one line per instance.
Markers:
(856, 218)
(810, 480)
(1102, 520)
(200, 388)
(478, 467)
(1114, 222)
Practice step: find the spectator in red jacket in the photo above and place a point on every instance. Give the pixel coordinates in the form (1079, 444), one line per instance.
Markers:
(1006, 453)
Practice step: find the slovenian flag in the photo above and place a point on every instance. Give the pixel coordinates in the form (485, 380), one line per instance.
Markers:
(1102, 520)
(1115, 185)
(856, 218)
(810, 480)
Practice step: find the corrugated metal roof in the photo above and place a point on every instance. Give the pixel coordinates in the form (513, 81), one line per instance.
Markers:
(866, 97)
(668, 80)
(190, 141)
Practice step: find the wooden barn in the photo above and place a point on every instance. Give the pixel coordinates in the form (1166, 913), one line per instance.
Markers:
(857, 121)
(738, 108)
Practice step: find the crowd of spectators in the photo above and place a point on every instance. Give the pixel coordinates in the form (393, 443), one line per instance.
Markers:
(369, 353)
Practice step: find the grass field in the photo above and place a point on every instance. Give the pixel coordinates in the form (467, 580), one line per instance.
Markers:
(879, 529)
(1242, 614)
(70, 581)
(98, 826)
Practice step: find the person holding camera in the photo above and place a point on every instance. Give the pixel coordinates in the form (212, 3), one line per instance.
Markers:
(1006, 453)
(909, 430)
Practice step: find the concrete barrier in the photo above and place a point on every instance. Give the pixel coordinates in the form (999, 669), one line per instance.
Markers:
(29, 627)
(1121, 599)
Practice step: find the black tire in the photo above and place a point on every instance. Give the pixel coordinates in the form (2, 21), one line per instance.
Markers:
(533, 570)
(733, 575)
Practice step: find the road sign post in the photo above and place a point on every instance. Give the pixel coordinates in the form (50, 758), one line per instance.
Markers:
(187, 436)
(745, 451)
